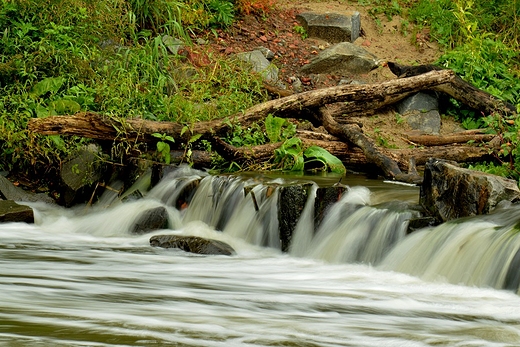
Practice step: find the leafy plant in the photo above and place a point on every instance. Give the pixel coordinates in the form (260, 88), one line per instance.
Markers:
(163, 147)
(278, 129)
(290, 156)
(301, 31)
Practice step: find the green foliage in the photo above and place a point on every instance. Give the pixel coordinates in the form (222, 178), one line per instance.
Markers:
(329, 161)
(163, 147)
(290, 156)
(278, 129)
(301, 31)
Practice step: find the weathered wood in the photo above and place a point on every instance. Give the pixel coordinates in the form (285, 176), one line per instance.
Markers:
(456, 88)
(440, 140)
(307, 105)
(353, 134)
(294, 106)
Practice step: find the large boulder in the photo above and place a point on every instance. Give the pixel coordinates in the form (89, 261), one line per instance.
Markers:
(342, 59)
(331, 27)
(10, 211)
(449, 191)
(192, 244)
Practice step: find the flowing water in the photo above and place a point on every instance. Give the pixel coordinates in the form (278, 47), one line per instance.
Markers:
(79, 278)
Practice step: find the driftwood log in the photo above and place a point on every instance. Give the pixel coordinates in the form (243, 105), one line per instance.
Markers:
(321, 107)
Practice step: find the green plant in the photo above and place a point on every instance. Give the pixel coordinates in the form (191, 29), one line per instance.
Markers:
(301, 31)
(163, 147)
(278, 129)
(290, 156)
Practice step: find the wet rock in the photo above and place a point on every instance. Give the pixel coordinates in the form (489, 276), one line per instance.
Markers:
(420, 223)
(261, 65)
(192, 244)
(291, 202)
(331, 27)
(450, 192)
(8, 191)
(325, 198)
(10, 211)
(342, 59)
(150, 220)
(79, 174)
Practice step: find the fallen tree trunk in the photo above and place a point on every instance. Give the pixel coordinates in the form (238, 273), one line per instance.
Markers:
(440, 140)
(294, 106)
(308, 105)
(457, 88)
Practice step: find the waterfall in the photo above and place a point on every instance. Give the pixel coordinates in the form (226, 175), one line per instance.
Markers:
(479, 251)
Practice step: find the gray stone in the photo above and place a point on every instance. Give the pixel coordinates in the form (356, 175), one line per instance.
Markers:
(450, 192)
(423, 102)
(10, 211)
(192, 244)
(268, 54)
(150, 220)
(79, 173)
(172, 44)
(81, 170)
(342, 59)
(260, 64)
(331, 27)
(9, 191)
(426, 122)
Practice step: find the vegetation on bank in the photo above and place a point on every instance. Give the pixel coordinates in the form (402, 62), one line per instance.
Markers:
(63, 56)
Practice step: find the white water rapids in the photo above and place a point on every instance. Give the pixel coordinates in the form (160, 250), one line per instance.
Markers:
(80, 279)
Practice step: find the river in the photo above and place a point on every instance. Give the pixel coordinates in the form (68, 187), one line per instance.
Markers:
(78, 278)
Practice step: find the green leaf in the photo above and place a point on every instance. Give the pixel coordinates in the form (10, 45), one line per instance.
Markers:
(49, 84)
(273, 127)
(161, 146)
(64, 106)
(195, 138)
(335, 165)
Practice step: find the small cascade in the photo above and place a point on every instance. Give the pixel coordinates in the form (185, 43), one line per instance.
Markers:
(354, 232)
(290, 216)
(304, 232)
(253, 220)
(478, 252)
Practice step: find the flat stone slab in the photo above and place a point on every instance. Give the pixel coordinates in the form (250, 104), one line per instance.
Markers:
(342, 59)
(10, 211)
(331, 27)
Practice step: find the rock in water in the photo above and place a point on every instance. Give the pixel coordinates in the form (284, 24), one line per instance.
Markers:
(150, 220)
(192, 244)
(10, 211)
(450, 192)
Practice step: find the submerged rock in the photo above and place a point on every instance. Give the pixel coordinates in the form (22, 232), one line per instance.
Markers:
(192, 244)
(450, 192)
(10, 211)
